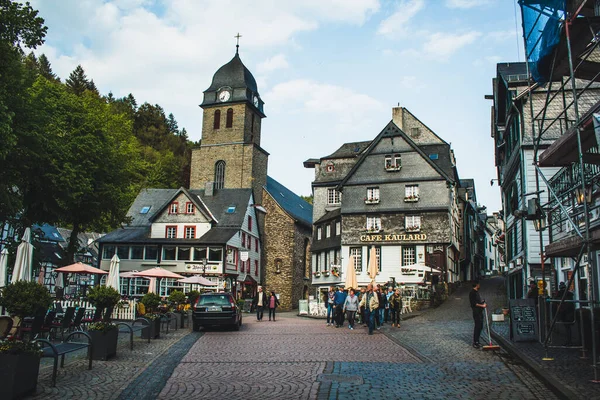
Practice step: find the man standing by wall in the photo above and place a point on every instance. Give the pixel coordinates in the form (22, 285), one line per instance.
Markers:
(477, 305)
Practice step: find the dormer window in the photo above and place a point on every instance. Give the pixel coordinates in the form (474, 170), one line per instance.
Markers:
(393, 162)
(173, 208)
(189, 208)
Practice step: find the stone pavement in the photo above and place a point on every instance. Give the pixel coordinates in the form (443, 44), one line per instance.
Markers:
(567, 373)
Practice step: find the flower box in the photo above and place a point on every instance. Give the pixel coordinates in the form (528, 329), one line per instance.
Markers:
(371, 201)
(325, 273)
(317, 274)
(18, 375)
(104, 343)
(373, 230)
(411, 199)
(392, 167)
(413, 228)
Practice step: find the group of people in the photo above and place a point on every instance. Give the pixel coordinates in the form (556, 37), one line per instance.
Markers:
(261, 301)
(371, 306)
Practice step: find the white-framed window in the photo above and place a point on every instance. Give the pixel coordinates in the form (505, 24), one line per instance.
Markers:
(190, 232)
(373, 224)
(357, 253)
(173, 208)
(411, 192)
(412, 223)
(319, 233)
(372, 195)
(327, 230)
(189, 208)
(334, 196)
(171, 232)
(393, 162)
(409, 255)
(338, 228)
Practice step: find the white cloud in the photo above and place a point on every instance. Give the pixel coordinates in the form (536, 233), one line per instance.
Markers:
(443, 45)
(501, 36)
(274, 63)
(466, 3)
(396, 24)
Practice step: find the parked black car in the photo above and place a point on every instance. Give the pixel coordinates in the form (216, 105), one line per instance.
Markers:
(216, 309)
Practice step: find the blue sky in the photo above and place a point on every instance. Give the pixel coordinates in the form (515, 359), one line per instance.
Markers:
(329, 71)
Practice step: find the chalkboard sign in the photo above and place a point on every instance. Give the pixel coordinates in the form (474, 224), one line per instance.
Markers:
(523, 320)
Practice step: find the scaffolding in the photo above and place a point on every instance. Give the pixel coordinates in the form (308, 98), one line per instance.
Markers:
(561, 43)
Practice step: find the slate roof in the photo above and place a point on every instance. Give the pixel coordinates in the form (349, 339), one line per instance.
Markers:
(444, 160)
(218, 235)
(329, 215)
(50, 252)
(139, 229)
(49, 233)
(233, 74)
(347, 150)
(292, 204)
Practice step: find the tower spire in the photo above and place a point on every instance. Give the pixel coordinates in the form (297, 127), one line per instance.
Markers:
(237, 46)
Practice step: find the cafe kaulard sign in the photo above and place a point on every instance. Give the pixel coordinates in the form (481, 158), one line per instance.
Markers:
(403, 237)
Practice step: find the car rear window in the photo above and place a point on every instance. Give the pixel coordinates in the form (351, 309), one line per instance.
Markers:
(214, 300)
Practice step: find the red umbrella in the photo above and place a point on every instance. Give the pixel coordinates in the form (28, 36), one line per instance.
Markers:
(81, 268)
(158, 272)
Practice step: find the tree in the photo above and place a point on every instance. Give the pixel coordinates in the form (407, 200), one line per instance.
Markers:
(45, 69)
(308, 199)
(77, 82)
(172, 125)
(21, 27)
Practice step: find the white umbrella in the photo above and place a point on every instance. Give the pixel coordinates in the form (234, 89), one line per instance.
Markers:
(3, 267)
(198, 280)
(22, 269)
(351, 275)
(373, 268)
(152, 285)
(113, 274)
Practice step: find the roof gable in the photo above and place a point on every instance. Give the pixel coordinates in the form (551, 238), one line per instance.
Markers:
(200, 206)
(391, 131)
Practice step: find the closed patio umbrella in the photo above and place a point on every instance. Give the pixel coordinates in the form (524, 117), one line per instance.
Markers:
(113, 274)
(22, 269)
(152, 285)
(373, 269)
(60, 280)
(351, 275)
(3, 267)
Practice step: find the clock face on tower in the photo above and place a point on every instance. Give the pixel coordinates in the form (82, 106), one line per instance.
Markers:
(255, 101)
(224, 95)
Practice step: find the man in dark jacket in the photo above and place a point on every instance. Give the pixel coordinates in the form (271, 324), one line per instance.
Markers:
(338, 300)
(259, 303)
(477, 305)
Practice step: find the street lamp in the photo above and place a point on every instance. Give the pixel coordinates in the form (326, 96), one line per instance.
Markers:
(583, 194)
(203, 262)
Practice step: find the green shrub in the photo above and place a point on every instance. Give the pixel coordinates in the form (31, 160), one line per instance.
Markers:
(150, 301)
(25, 299)
(177, 297)
(103, 296)
(193, 296)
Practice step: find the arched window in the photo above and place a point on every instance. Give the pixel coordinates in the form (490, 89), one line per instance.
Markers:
(220, 174)
(229, 122)
(217, 123)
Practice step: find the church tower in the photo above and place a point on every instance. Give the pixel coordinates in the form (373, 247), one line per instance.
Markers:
(230, 156)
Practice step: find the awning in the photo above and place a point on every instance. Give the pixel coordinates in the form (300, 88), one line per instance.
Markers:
(249, 280)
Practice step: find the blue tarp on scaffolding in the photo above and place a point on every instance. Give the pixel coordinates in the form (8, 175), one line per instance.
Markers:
(542, 24)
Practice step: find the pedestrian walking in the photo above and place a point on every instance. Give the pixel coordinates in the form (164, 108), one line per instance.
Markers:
(382, 303)
(389, 294)
(395, 302)
(361, 310)
(259, 302)
(351, 307)
(371, 304)
(273, 304)
(477, 305)
(338, 301)
(329, 298)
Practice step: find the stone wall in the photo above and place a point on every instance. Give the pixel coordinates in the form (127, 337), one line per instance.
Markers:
(284, 242)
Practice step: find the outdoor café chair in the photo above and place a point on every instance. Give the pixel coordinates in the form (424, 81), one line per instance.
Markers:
(65, 323)
(76, 324)
(33, 328)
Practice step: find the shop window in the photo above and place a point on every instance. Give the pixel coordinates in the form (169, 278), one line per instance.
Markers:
(409, 255)
(215, 254)
(183, 253)
(137, 252)
(169, 253)
(199, 253)
(108, 252)
(151, 253)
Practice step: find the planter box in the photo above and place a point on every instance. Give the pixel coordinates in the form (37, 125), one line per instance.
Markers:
(18, 375)
(153, 330)
(104, 344)
(177, 322)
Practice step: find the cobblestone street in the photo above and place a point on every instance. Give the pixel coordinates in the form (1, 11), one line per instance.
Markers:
(428, 357)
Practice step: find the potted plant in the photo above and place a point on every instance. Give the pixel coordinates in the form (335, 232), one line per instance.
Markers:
(325, 273)
(335, 271)
(104, 334)
(19, 359)
(317, 274)
(193, 296)
(177, 298)
(151, 301)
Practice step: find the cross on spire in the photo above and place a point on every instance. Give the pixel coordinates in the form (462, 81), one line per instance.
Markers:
(237, 46)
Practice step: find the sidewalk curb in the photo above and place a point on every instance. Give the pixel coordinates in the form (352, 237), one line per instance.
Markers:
(549, 380)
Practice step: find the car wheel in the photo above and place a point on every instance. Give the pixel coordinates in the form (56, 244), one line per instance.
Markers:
(196, 327)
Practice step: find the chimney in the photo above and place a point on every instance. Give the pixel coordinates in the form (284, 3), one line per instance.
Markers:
(397, 116)
(209, 189)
